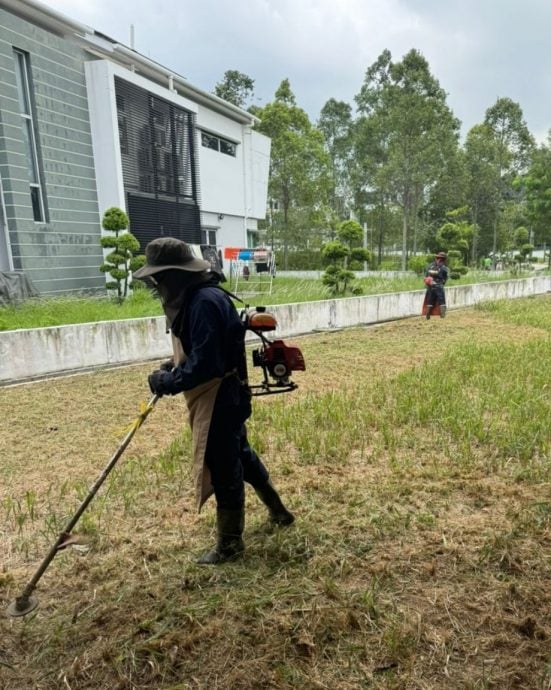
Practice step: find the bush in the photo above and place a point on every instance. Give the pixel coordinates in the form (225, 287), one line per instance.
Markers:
(418, 264)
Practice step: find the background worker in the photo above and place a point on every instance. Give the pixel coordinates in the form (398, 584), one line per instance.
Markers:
(209, 368)
(436, 277)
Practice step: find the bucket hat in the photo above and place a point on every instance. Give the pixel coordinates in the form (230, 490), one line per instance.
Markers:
(169, 253)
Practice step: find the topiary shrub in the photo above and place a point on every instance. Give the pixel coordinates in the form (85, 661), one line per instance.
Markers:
(120, 262)
(342, 254)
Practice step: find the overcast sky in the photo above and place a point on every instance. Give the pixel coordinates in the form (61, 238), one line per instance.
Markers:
(479, 50)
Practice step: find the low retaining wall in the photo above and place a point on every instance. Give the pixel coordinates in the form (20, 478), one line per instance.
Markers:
(27, 354)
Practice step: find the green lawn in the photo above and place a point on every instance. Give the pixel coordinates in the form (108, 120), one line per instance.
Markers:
(60, 311)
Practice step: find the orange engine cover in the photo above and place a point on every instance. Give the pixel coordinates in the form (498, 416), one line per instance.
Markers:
(262, 321)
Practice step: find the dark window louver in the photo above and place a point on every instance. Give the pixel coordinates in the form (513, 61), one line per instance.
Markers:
(159, 166)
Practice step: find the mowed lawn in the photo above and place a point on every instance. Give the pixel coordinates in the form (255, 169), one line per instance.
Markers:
(417, 458)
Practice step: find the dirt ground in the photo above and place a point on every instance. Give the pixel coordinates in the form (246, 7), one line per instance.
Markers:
(428, 582)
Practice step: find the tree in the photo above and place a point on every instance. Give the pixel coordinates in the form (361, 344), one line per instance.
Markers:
(514, 145)
(373, 200)
(456, 235)
(450, 191)
(537, 186)
(120, 262)
(235, 87)
(336, 125)
(416, 133)
(481, 154)
(299, 164)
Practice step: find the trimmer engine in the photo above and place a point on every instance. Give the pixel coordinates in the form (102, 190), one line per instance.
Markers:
(276, 358)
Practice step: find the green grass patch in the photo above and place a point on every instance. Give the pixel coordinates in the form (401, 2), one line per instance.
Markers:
(419, 558)
(59, 311)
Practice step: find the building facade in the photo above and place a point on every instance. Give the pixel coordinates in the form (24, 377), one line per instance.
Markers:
(87, 123)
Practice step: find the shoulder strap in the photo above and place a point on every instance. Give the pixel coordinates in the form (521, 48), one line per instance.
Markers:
(230, 294)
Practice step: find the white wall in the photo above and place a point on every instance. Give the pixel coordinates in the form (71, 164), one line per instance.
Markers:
(45, 351)
(260, 147)
(233, 186)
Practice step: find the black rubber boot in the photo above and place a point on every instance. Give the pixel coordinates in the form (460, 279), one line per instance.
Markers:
(442, 311)
(230, 546)
(279, 514)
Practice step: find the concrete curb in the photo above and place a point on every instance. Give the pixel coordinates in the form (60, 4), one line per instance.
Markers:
(43, 352)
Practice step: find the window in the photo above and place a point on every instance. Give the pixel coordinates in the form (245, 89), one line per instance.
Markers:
(211, 141)
(208, 236)
(228, 147)
(26, 108)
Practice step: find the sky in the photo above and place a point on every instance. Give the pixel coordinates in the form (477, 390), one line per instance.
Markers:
(479, 50)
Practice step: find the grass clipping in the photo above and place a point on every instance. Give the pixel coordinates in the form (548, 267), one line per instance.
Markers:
(416, 457)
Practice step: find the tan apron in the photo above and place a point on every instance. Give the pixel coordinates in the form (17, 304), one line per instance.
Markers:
(200, 402)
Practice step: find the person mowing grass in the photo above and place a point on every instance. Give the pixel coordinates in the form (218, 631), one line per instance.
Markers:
(436, 277)
(209, 368)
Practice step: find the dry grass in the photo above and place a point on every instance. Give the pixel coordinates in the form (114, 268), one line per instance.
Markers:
(419, 559)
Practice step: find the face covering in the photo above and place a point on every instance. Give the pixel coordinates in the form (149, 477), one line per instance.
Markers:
(172, 287)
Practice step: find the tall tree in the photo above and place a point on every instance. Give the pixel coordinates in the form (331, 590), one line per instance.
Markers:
(481, 156)
(235, 87)
(450, 191)
(299, 163)
(371, 189)
(537, 185)
(514, 145)
(336, 124)
(417, 132)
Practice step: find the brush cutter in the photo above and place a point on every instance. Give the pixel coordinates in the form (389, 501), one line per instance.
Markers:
(274, 357)
(25, 602)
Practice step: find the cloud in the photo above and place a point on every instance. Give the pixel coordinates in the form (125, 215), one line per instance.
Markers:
(478, 51)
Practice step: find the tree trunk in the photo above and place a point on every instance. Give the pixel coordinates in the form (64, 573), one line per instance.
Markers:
(285, 238)
(404, 239)
(494, 242)
(475, 234)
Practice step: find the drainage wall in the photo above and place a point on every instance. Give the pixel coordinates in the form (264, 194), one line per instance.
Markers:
(39, 352)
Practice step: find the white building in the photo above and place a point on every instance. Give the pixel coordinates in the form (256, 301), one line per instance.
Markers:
(87, 123)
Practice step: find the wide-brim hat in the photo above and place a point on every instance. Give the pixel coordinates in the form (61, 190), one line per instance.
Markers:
(170, 253)
(441, 255)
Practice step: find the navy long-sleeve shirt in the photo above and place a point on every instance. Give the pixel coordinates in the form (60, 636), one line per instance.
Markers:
(441, 270)
(212, 336)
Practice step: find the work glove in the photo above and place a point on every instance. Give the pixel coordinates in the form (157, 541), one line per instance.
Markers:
(167, 366)
(160, 382)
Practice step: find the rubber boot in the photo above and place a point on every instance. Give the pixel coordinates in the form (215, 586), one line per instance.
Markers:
(229, 546)
(279, 514)
(429, 309)
(442, 311)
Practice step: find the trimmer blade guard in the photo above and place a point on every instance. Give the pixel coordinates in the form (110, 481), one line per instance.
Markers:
(22, 606)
